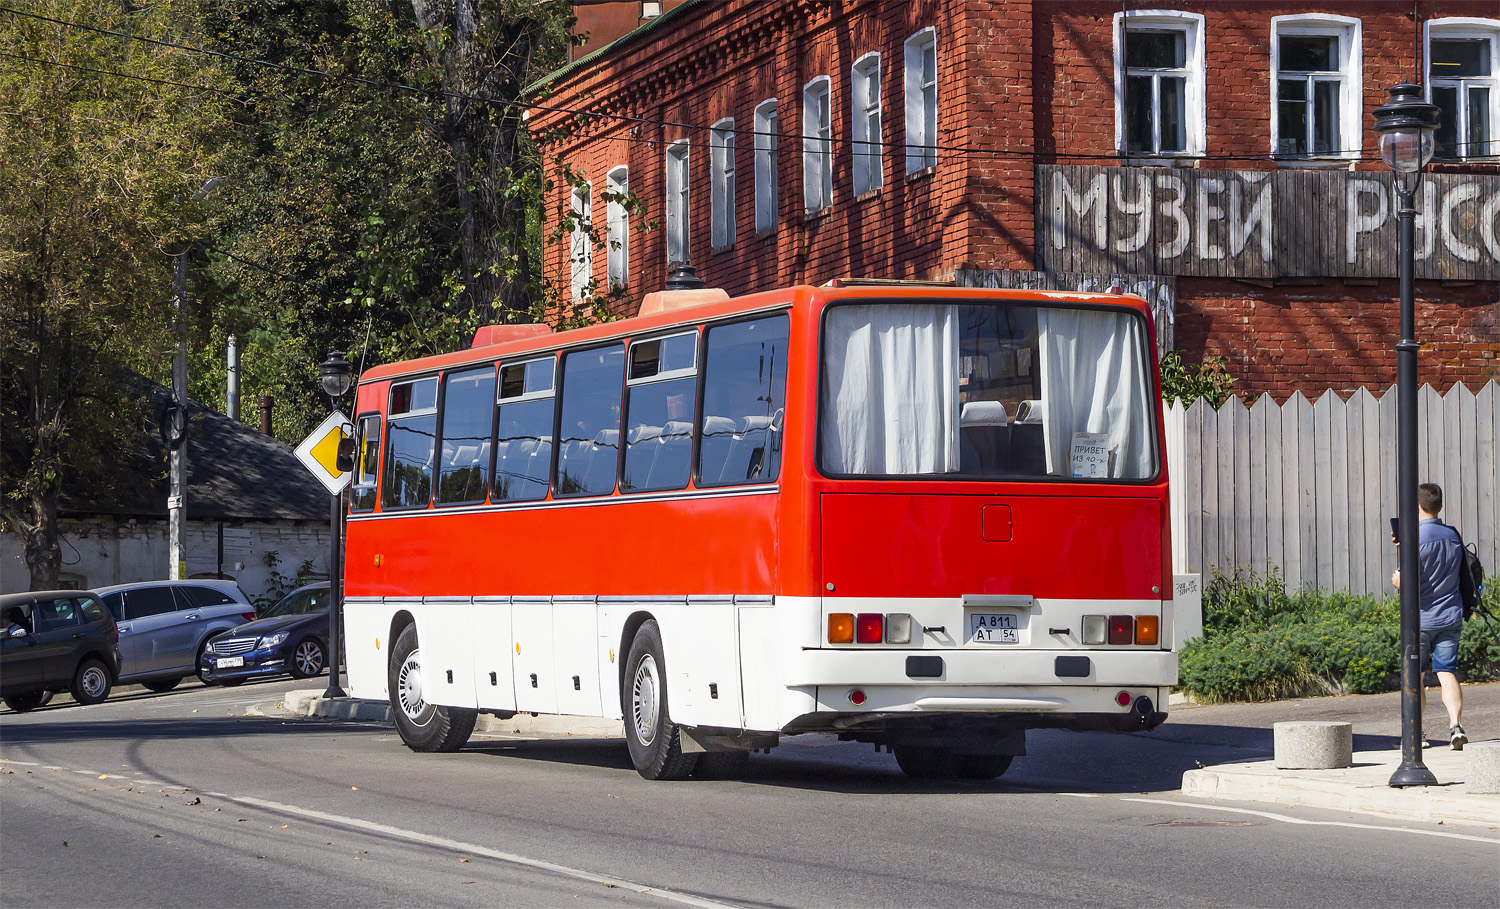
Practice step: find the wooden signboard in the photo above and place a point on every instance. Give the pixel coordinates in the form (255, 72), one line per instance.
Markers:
(1260, 224)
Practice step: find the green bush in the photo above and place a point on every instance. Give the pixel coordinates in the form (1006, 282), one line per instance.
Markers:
(1262, 642)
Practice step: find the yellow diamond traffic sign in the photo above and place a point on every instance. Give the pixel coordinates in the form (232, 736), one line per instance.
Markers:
(319, 452)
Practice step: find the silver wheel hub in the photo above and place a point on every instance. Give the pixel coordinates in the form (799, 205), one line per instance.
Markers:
(645, 699)
(93, 682)
(309, 657)
(409, 686)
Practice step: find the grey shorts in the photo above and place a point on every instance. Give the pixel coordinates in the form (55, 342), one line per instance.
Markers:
(1442, 645)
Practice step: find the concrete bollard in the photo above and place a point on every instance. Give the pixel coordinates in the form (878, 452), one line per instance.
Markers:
(1483, 771)
(1313, 746)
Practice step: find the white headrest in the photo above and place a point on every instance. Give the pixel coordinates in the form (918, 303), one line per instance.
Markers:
(982, 413)
(676, 428)
(718, 426)
(1029, 412)
(643, 434)
(755, 423)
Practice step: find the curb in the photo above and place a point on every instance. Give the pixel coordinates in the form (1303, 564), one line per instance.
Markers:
(312, 703)
(1362, 788)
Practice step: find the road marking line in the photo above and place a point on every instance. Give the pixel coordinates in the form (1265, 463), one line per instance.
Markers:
(471, 848)
(1297, 820)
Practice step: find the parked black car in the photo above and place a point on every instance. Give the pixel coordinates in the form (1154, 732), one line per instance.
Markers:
(56, 640)
(291, 636)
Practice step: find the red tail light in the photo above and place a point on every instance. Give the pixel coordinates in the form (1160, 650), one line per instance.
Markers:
(1122, 629)
(249, 616)
(870, 628)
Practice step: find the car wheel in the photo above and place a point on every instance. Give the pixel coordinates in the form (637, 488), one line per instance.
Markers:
(654, 740)
(229, 683)
(21, 703)
(162, 684)
(91, 684)
(422, 726)
(307, 658)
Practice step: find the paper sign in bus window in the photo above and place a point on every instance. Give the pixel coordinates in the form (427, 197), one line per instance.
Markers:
(1091, 454)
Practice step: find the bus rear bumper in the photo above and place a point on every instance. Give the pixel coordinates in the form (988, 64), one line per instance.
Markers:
(990, 666)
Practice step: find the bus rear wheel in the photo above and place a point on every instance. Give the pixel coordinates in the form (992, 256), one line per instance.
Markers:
(926, 762)
(422, 726)
(654, 740)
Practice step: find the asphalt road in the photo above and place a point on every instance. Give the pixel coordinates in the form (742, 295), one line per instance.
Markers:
(215, 797)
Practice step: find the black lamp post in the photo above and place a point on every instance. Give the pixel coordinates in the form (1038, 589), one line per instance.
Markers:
(1405, 125)
(337, 375)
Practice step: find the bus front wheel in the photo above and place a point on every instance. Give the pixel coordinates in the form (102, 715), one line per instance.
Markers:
(654, 740)
(423, 727)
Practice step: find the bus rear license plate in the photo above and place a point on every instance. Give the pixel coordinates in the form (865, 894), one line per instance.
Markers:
(229, 662)
(993, 628)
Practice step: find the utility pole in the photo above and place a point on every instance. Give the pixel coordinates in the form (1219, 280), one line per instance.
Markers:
(177, 436)
(232, 393)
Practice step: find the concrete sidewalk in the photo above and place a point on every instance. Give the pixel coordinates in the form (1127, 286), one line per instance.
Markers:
(1362, 788)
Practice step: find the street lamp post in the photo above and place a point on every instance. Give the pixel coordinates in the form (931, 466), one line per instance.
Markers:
(336, 375)
(1405, 125)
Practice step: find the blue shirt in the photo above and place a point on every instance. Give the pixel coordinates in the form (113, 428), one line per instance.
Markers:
(1439, 556)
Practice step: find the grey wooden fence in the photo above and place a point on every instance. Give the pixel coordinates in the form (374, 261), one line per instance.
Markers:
(1308, 487)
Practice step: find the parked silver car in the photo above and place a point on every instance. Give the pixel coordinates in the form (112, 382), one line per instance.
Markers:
(164, 626)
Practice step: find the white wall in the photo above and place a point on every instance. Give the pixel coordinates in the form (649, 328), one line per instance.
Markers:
(97, 552)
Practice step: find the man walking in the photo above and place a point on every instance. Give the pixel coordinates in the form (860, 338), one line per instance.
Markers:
(1439, 557)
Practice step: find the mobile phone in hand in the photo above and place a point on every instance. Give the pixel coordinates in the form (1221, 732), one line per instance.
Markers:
(1395, 528)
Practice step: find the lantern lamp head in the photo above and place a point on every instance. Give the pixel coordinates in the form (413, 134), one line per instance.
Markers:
(1406, 124)
(336, 374)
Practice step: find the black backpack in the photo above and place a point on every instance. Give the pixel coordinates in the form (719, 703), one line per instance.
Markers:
(1470, 579)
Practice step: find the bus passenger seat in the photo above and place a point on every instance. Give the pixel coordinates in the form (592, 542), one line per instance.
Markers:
(984, 438)
(640, 452)
(674, 454)
(713, 448)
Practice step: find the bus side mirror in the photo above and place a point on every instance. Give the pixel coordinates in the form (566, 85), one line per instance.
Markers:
(344, 460)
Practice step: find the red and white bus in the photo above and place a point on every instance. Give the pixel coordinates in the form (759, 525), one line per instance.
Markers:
(924, 517)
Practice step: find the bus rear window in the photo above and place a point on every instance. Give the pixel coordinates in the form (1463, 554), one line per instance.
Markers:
(985, 391)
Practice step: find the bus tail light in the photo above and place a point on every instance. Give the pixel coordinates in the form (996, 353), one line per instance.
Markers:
(857, 698)
(1122, 629)
(1147, 629)
(1123, 698)
(1093, 629)
(870, 628)
(840, 628)
(898, 628)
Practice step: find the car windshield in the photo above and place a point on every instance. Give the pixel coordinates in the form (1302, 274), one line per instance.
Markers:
(300, 602)
(986, 391)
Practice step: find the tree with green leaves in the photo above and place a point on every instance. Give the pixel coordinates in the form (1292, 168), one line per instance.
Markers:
(95, 168)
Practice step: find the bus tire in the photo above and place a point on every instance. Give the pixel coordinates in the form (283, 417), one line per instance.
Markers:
(423, 727)
(655, 742)
(721, 765)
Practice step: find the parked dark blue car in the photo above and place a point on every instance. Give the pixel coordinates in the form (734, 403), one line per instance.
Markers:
(290, 637)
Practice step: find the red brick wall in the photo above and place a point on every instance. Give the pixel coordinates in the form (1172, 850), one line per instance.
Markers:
(1019, 83)
(1335, 335)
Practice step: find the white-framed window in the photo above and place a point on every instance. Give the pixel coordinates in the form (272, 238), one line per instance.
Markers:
(817, 144)
(921, 100)
(1317, 74)
(582, 255)
(1463, 67)
(1159, 83)
(721, 186)
(767, 129)
(650, 9)
(864, 113)
(617, 259)
(677, 202)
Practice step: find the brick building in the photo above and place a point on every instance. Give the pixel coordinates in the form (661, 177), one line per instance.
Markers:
(1216, 158)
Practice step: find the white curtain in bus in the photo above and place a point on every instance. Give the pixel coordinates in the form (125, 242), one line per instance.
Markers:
(1094, 380)
(892, 404)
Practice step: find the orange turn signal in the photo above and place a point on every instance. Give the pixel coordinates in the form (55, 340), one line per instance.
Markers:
(1147, 629)
(840, 628)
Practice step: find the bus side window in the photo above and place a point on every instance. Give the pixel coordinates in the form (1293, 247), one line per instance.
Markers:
(362, 498)
(412, 430)
(589, 434)
(660, 393)
(523, 437)
(744, 402)
(468, 417)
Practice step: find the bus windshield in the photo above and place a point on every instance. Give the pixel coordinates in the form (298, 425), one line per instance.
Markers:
(985, 390)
